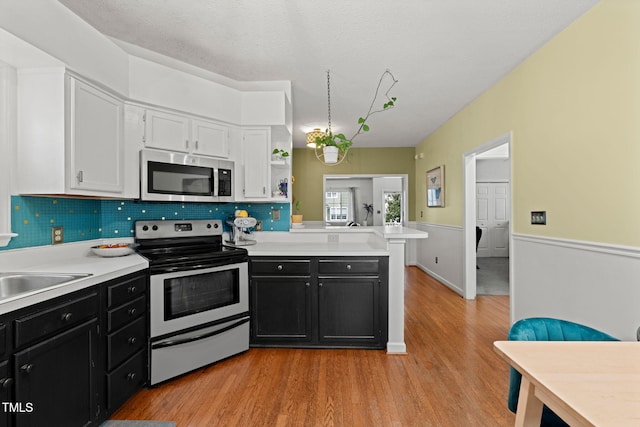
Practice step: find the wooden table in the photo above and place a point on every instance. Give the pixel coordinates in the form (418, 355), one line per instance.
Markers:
(586, 383)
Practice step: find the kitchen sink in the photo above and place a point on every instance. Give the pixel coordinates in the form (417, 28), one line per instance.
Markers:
(12, 284)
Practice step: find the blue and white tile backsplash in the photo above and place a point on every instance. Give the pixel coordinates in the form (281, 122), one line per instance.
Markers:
(87, 219)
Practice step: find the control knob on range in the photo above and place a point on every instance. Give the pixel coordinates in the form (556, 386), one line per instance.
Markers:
(154, 228)
(145, 228)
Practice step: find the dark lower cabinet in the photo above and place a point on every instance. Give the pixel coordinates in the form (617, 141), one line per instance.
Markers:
(6, 386)
(55, 380)
(126, 364)
(319, 302)
(73, 360)
(281, 309)
(349, 311)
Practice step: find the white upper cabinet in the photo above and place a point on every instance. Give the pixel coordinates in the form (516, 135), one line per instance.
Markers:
(210, 139)
(174, 132)
(255, 155)
(95, 139)
(70, 136)
(166, 131)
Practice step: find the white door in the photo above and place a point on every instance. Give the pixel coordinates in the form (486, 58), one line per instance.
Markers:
(255, 156)
(209, 139)
(492, 216)
(166, 131)
(95, 139)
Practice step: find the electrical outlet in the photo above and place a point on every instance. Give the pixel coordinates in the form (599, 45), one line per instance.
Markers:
(275, 214)
(539, 217)
(57, 235)
(333, 238)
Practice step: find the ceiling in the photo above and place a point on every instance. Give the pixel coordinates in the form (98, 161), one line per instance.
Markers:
(444, 53)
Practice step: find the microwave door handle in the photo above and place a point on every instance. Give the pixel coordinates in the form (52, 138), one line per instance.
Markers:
(216, 182)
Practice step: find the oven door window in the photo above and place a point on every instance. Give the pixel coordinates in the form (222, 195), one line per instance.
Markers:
(201, 292)
(167, 178)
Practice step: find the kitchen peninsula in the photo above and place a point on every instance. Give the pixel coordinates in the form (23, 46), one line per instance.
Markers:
(336, 241)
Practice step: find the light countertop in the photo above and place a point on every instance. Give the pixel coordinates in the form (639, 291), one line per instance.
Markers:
(77, 258)
(315, 249)
(386, 232)
(74, 258)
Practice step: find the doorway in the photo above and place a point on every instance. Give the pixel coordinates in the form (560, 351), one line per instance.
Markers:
(477, 210)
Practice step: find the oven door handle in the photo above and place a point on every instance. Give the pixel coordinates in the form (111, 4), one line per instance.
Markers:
(192, 338)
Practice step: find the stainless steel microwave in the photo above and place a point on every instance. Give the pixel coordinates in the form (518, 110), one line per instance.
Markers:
(178, 177)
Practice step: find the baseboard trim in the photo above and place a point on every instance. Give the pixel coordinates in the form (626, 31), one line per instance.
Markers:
(396, 348)
(441, 279)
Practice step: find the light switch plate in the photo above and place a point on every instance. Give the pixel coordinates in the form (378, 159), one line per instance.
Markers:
(539, 217)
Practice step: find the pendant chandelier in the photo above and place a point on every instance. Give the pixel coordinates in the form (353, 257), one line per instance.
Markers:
(332, 149)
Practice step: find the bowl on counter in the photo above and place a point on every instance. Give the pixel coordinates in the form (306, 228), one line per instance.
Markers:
(118, 249)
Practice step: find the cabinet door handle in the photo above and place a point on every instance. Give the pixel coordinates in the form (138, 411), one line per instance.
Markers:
(6, 383)
(66, 317)
(27, 368)
(80, 176)
(132, 340)
(132, 289)
(307, 284)
(132, 312)
(196, 145)
(279, 267)
(348, 266)
(320, 284)
(186, 144)
(131, 376)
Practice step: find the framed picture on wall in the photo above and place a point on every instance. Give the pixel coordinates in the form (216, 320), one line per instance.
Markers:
(435, 187)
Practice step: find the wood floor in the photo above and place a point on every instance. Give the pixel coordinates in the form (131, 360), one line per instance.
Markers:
(450, 376)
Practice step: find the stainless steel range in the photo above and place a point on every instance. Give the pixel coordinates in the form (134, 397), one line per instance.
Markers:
(199, 295)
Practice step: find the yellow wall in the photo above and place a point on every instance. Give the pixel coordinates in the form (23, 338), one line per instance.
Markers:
(308, 172)
(574, 110)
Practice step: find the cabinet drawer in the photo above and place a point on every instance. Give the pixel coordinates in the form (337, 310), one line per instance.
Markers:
(124, 291)
(57, 319)
(125, 380)
(125, 342)
(347, 266)
(280, 268)
(124, 314)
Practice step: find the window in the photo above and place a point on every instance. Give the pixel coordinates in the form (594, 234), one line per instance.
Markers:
(339, 206)
(392, 208)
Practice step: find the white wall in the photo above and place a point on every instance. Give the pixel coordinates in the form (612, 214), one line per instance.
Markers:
(52, 28)
(590, 283)
(446, 244)
(160, 85)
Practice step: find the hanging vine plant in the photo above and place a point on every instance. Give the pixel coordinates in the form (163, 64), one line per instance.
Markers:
(339, 141)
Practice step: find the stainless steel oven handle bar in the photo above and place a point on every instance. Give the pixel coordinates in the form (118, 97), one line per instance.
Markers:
(172, 343)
